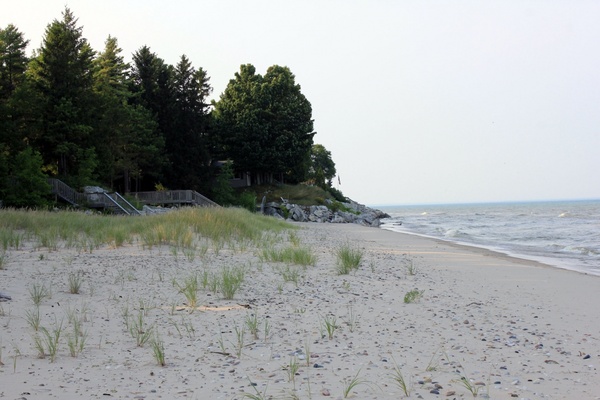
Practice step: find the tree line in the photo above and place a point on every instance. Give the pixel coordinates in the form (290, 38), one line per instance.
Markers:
(90, 118)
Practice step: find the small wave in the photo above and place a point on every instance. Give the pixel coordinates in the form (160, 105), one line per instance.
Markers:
(454, 233)
(563, 215)
(582, 250)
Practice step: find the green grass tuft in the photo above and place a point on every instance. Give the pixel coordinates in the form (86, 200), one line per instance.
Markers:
(348, 259)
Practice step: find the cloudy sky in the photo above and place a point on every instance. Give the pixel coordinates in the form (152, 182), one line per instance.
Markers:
(418, 101)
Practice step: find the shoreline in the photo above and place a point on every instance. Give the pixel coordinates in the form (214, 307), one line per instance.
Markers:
(511, 327)
(545, 261)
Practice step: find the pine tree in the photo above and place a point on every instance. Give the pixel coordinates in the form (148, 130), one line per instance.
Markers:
(63, 75)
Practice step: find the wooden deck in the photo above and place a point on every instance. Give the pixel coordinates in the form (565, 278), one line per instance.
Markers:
(118, 205)
(167, 197)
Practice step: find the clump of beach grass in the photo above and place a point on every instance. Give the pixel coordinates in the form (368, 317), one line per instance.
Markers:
(290, 274)
(77, 339)
(48, 344)
(75, 281)
(351, 383)
(467, 384)
(401, 381)
(329, 325)
(3, 259)
(38, 292)
(348, 259)
(189, 288)
(413, 296)
(411, 268)
(139, 329)
(291, 255)
(33, 318)
(158, 349)
(252, 324)
(231, 279)
(352, 318)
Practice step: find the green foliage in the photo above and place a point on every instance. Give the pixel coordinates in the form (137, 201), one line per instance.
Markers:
(63, 75)
(222, 192)
(265, 123)
(26, 185)
(90, 118)
(337, 194)
(246, 200)
(322, 167)
(231, 280)
(292, 255)
(301, 194)
(413, 296)
(186, 141)
(130, 143)
(348, 259)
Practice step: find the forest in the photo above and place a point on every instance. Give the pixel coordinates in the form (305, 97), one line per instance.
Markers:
(89, 118)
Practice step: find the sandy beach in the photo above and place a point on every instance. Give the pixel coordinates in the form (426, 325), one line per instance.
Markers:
(485, 324)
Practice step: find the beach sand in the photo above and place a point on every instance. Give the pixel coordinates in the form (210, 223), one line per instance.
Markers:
(511, 328)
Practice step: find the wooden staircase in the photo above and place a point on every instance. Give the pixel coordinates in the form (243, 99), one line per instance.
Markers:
(112, 202)
(116, 204)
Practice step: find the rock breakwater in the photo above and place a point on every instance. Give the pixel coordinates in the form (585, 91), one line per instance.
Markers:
(331, 211)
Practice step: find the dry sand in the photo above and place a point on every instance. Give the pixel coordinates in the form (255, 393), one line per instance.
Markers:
(513, 328)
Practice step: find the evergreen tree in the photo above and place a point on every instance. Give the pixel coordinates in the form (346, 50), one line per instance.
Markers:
(13, 61)
(187, 142)
(13, 64)
(63, 75)
(128, 142)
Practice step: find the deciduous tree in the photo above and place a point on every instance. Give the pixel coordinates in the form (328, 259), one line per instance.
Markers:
(265, 123)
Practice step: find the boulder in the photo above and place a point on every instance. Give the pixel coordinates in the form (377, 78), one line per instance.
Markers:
(360, 214)
(296, 213)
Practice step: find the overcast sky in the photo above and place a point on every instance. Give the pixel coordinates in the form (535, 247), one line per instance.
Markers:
(418, 101)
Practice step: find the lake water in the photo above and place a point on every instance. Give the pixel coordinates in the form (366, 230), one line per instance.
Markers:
(564, 234)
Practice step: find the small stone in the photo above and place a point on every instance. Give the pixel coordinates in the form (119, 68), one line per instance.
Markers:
(550, 362)
(586, 357)
(434, 391)
(325, 392)
(466, 322)
(450, 393)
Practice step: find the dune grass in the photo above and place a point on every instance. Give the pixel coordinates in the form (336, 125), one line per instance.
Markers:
(290, 255)
(348, 259)
(180, 228)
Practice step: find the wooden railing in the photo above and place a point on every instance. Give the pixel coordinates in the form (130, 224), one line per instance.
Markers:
(116, 202)
(174, 197)
(113, 201)
(67, 193)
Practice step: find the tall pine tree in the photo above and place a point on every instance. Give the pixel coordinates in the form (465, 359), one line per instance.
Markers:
(63, 72)
(187, 141)
(127, 138)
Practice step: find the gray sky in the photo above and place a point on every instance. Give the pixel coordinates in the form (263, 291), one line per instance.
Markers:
(418, 101)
